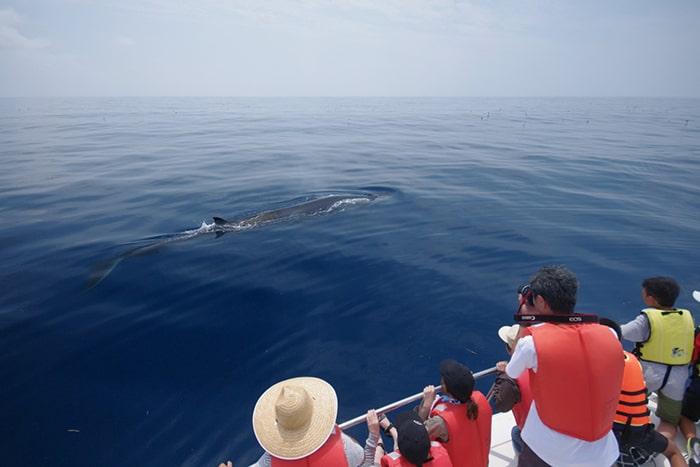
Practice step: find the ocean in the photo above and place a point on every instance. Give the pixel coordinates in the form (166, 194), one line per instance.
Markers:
(161, 362)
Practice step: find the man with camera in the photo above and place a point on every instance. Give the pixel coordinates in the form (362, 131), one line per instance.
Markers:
(575, 367)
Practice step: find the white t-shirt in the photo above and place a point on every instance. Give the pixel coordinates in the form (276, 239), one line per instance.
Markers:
(551, 446)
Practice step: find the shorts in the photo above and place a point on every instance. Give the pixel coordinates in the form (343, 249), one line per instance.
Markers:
(668, 410)
(633, 457)
(691, 400)
(640, 437)
(638, 445)
(528, 458)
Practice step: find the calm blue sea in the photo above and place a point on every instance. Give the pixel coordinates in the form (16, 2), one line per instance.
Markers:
(160, 364)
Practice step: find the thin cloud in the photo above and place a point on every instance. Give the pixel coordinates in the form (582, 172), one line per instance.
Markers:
(11, 38)
(407, 13)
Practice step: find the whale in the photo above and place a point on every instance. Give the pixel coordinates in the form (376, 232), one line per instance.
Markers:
(307, 208)
(313, 207)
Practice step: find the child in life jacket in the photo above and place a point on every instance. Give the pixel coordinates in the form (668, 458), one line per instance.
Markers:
(664, 339)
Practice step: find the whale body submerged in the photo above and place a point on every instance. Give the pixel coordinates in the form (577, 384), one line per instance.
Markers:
(313, 207)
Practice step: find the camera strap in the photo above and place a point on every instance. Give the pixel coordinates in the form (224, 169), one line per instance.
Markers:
(572, 318)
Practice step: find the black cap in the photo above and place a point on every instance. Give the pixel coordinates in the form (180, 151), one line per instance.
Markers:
(414, 440)
(458, 379)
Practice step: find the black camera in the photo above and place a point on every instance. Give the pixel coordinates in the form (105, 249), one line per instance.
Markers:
(526, 291)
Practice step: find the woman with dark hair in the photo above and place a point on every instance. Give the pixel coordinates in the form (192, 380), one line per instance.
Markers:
(461, 418)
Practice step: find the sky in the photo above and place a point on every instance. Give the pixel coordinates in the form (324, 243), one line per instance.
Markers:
(514, 48)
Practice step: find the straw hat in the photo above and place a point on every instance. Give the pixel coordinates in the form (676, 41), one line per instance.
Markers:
(508, 333)
(294, 417)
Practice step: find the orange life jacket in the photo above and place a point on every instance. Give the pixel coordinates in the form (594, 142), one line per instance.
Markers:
(469, 440)
(522, 408)
(331, 453)
(579, 374)
(632, 409)
(437, 452)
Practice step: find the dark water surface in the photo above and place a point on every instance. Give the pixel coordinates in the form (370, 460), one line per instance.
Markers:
(160, 364)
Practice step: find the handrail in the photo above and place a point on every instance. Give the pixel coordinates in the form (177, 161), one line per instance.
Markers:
(400, 403)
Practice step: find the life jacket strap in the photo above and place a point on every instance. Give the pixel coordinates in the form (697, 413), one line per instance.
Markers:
(668, 373)
(634, 393)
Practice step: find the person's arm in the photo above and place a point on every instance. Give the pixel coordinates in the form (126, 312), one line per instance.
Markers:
(372, 439)
(437, 428)
(505, 393)
(427, 403)
(389, 428)
(523, 357)
(636, 330)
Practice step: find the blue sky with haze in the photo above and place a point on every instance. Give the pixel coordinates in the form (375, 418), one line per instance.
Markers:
(350, 48)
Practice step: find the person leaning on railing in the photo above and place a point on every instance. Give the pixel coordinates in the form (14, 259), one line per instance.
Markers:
(461, 418)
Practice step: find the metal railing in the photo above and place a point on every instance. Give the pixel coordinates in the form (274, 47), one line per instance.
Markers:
(400, 403)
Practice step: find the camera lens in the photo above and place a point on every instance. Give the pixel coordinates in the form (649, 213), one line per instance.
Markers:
(526, 292)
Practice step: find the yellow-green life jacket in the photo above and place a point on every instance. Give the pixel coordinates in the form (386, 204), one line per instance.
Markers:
(671, 337)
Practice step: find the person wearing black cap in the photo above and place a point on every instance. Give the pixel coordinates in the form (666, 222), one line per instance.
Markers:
(413, 445)
(461, 418)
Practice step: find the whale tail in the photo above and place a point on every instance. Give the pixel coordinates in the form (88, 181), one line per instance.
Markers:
(103, 268)
(100, 270)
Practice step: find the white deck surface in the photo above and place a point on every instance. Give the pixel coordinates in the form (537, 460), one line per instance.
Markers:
(502, 454)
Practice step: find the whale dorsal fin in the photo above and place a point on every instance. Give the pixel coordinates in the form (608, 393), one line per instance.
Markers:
(219, 221)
